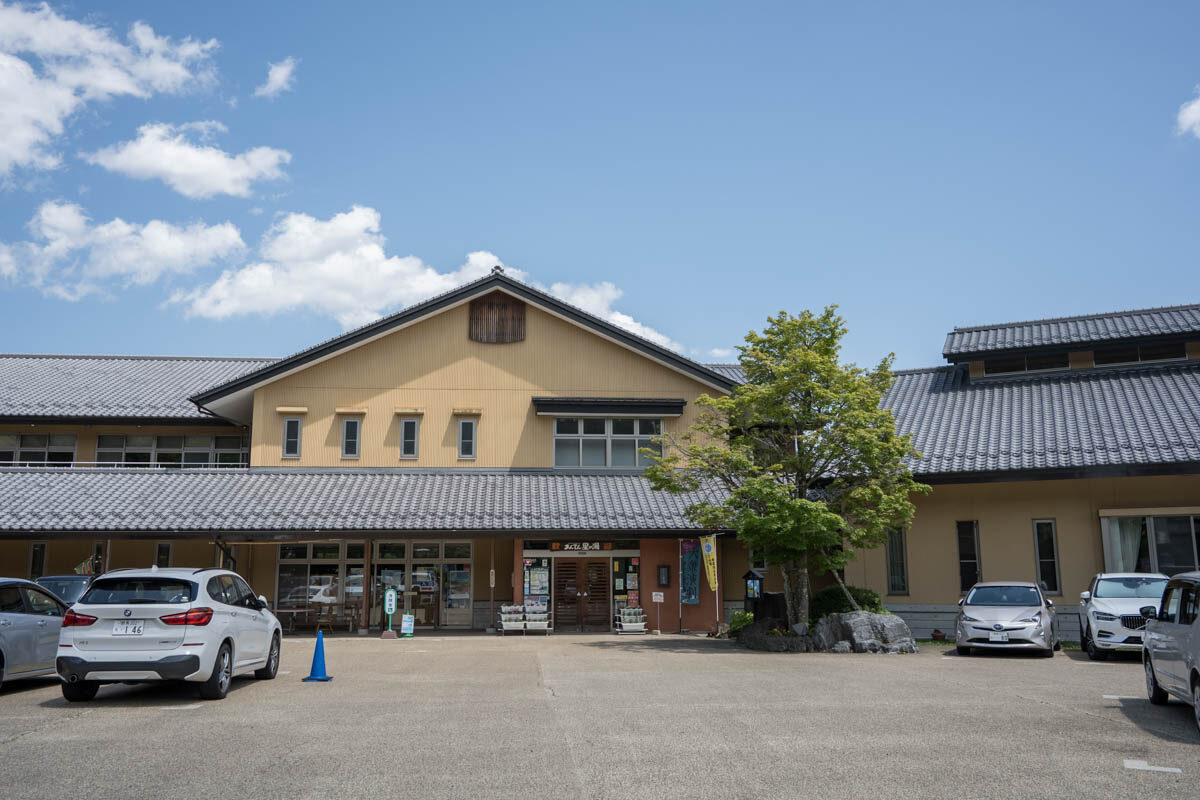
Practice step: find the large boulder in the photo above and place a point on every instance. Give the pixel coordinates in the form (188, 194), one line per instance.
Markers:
(865, 631)
(758, 636)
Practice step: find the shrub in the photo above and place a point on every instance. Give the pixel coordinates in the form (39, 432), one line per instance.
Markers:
(832, 600)
(739, 620)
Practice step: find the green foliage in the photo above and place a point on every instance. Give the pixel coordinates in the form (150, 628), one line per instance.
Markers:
(739, 620)
(832, 600)
(812, 468)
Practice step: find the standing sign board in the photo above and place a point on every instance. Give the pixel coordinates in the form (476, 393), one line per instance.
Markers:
(406, 625)
(389, 608)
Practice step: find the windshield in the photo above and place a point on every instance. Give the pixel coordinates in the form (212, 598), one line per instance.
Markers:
(1004, 596)
(67, 589)
(126, 591)
(1144, 588)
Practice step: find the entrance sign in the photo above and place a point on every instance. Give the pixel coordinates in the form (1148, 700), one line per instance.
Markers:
(656, 597)
(581, 547)
(406, 625)
(389, 602)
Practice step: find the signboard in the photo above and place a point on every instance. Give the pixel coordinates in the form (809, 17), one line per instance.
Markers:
(656, 597)
(406, 625)
(689, 572)
(708, 546)
(581, 547)
(389, 601)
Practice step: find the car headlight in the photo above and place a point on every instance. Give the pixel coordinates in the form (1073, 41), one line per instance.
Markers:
(1036, 618)
(968, 618)
(1100, 615)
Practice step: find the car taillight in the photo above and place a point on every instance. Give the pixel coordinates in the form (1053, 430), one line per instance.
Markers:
(73, 619)
(193, 616)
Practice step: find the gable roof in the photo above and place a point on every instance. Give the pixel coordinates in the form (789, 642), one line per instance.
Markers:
(143, 501)
(218, 397)
(1117, 421)
(49, 388)
(1113, 326)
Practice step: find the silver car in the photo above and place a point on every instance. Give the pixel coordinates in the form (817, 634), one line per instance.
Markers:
(1006, 615)
(30, 620)
(1171, 655)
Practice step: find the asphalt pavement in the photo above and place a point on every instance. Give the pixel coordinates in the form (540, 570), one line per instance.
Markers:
(611, 717)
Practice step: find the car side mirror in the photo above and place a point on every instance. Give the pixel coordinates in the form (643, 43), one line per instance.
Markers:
(960, 601)
(1085, 596)
(1148, 612)
(1049, 603)
(262, 602)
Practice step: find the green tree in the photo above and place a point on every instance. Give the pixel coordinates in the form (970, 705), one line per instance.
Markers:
(812, 468)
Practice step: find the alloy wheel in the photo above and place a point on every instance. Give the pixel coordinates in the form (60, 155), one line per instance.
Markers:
(1150, 684)
(1196, 702)
(273, 662)
(226, 672)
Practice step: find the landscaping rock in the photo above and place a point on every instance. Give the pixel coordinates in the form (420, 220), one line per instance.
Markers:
(864, 632)
(840, 647)
(757, 636)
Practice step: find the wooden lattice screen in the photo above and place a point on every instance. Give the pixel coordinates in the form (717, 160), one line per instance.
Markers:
(497, 318)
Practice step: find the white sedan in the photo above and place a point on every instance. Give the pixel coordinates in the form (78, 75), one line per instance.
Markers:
(1110, 618)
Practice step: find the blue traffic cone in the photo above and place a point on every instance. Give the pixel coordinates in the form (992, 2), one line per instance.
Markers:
(318, 665)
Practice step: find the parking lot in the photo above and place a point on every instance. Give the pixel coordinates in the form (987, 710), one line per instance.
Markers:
(603, 716)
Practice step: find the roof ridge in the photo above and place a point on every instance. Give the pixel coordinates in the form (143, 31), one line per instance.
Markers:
(1076, 317)
(922, 370)
(117, 357)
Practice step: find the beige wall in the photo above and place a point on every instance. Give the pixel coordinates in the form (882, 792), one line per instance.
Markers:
(85, 435)
(1005, 513)
(434, 366)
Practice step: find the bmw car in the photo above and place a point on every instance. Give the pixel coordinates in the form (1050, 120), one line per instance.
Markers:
(1006, 616)
(204, 626)
(1110, 618)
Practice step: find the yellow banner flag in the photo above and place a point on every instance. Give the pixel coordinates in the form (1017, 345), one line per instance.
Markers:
(708, 547)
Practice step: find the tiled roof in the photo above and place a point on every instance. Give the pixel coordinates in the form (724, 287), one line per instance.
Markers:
(111, 386)
(1091, 418)
(49, 499)
(732, 372)
(1179, 320)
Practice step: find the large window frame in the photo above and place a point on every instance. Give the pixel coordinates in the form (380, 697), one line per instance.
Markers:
(1151, 533)
(288, 439)
(973, 533)
(897, 562)
(585, 433)
(1041, 559)
(193, 451)
(38, 449)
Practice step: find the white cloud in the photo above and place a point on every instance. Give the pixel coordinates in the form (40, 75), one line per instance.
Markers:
(721, 352)
(167, 153)
(281, 77)
(71, 258)
(339, 268)
(50, 67)
(1188, 119)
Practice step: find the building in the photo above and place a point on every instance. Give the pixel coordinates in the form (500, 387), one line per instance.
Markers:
(482, 447)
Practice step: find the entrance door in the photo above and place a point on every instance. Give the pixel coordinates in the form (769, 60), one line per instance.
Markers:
(581, 594)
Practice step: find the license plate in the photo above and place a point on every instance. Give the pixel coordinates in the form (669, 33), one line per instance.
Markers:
(127, 627)
(997, 636)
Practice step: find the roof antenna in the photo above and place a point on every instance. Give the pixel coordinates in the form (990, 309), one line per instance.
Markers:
(497, 270)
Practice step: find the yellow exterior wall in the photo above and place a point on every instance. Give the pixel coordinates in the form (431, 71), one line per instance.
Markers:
(434, 366)
(1005, 513)
(85, 435)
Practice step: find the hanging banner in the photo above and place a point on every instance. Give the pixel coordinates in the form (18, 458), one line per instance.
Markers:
(689, 572)
(708, 545)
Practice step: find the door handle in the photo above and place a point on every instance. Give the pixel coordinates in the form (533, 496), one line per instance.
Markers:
(4, 623)
(41, 623)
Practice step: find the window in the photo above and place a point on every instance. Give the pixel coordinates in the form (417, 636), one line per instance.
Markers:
(11, 601)
(350, 435)
(410, 434)
(42, 604)
(605, 443)
(757, 561)
(172, 451)
(291, 437)
(1133, 353)
(466, 438)
(969, 572)
(1190, 606)
(38, 449)
(1045, 543)
(162, 554)
(897, 559)
(1037, 362)
(37, 560)
(1150, 544)
(1170, 603)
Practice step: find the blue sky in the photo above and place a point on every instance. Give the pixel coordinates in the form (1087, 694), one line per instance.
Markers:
(684, 169)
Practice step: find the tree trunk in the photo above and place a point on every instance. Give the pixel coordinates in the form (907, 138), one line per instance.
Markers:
(795, 591)
(853, 603)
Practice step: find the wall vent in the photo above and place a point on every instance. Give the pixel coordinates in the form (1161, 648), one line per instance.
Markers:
(497, 318)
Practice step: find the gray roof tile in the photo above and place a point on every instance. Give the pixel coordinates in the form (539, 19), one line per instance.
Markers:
(134, 500)
(1089, 328)
(111, 386)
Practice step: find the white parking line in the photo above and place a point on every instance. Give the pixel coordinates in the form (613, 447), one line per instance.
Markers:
(182, 708)
(285, 672)
(1132, 764)
(1122, 697)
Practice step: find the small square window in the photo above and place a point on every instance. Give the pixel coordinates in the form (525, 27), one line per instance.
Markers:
(566, 426)
(623, 427)
(593, 427)
(650, 427)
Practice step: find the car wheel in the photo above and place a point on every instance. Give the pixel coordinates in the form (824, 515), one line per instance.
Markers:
(962, 651)
(80, 691)
(1047, 653)
(270, 669)
(1154, 692)
(217, 685)
(1196, 702)
(1094, 652)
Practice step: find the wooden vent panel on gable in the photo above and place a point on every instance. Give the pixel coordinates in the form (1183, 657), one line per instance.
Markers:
(496, 319)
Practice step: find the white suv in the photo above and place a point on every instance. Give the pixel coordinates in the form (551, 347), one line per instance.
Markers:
(200, 625)
(1110, 619)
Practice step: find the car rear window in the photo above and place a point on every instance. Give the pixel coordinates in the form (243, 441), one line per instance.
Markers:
(1004, 596)
(127, 591)
(68, 590)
